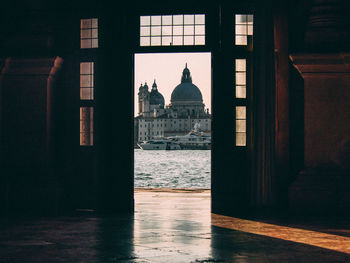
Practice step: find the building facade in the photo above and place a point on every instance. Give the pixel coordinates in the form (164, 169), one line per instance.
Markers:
(185, 109)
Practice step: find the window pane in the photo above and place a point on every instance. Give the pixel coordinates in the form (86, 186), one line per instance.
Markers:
(167, 20)
(166, 41)
(189, 40)
(94, 33)
(178, 31)
(200, 40)
(166, 30)
(145, 41)
(240, 65)
(178, 19)
(241, 40)
(188, 30)
(156, 20)
(94, 43)
(200, 19)
(155, 31)
(240, 78)
(86, 33)
(177, 40)
(85, 43)
(241, 30)
(241, 92)
(86, 68)
(200, 30)
(240, 139)
(155, 41)
(241, 112)
(240, 126)
(85, 23)
(86, 81)
(145, 31)
(145, 20)
(86, 126)
(188, 19)
(86, 94)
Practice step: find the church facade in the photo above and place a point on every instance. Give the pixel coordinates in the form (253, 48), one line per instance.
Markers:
(186, 108)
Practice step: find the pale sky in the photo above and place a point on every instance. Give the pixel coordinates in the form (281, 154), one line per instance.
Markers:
(167, 69)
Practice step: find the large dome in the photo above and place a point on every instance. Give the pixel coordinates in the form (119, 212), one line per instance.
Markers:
(186, 91)
(155, 97)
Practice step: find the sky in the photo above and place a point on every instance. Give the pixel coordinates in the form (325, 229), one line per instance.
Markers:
(166, 69)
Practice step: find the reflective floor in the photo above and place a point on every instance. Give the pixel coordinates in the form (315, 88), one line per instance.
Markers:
(173, 226)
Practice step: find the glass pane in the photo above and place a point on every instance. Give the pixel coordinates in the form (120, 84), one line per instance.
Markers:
(145, 20)
(240, 78)
(240, 126)
(145, 31)
(166, 30)
(250, 19)
(155, 41)
(188, 30)
(189, 19)
(188, 40)
(240, 65)
(156, 20)
(178, 20)
(166, 41)
(241, 112)
(85, 33)
(241, 40)
(241, 30)
(200, 30)
(86, 81)
(145, 41)
(85, 43)
(178, 30)
(94, 23)
(240, 139)
(241, 92)
(86, 68)
(94, 43)
(177, 40)
(200, 19)
(85, 23)
(167, 20)
(94, 33)
(86, 94)
(250, 30)
(155, 30)
(200, 40)
(241, 19)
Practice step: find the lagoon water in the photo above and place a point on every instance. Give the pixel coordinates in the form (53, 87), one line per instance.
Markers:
(172, 169)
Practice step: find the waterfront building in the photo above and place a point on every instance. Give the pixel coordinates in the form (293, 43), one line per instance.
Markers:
(186, 108)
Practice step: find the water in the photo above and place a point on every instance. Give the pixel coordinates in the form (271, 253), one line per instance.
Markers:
(172, 169)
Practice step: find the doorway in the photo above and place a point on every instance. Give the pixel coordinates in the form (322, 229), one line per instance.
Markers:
(172, 121)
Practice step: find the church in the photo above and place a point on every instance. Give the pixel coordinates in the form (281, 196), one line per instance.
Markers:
(280, 131)
(178, 118)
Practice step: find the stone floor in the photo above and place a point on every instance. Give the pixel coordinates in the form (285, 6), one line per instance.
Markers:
(173, 226)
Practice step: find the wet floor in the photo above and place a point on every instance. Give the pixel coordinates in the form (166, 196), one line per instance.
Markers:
(172, 226)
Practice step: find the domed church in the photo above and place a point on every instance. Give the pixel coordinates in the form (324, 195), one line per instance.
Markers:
(185, 109)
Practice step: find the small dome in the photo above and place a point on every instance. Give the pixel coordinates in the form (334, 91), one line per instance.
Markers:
(186, 91)
(155, 97)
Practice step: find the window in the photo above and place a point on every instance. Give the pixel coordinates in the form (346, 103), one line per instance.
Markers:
(241, 124)
(172, 30)
(241, 78)
(89, 33)
(243, 29)
(86, 80)
(86, 126)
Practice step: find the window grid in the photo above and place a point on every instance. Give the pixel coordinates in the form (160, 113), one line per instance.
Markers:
(86, 126)
(240, 66)
(89, 33)
(87, 80)
(243, 29)
(172, 30)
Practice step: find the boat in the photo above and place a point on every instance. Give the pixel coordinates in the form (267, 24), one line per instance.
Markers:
(194, 140)
(159, 144)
